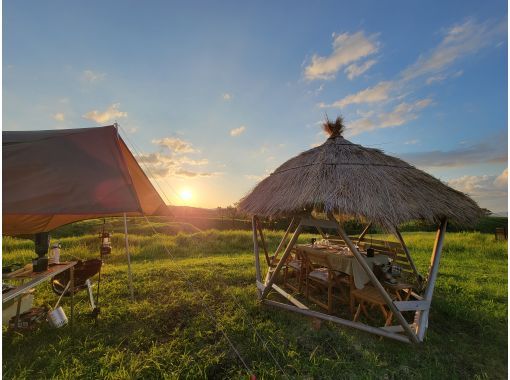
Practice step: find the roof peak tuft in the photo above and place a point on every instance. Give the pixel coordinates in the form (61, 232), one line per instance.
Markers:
(334, 129)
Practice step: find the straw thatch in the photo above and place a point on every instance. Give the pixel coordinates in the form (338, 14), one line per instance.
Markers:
(349, 179)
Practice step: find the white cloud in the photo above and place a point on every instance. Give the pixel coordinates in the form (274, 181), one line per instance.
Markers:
(401, 114)
(110, 114)
(489, 190)
(176, 145)
(227, 96)
(237, 131)
(355, 70)
(163, 165)
(443, 76)
(347, 48)
(59, 116)
(378, 93)
(458, 42)
(412, 142)
(93, 77)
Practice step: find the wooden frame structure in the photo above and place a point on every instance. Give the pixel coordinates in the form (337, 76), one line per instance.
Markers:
(403, 331)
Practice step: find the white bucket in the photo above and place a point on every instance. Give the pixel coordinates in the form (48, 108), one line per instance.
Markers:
(57, 318)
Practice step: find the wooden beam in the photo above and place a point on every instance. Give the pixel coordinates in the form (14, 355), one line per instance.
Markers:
(376, 282)
(364, 232)
(340, 321)
(272, 278)
(406, 251)
(266, 253)
(412, 305)
(256, 248)
(282, 242)
(308, 221)
(282, 292)
(423, 316)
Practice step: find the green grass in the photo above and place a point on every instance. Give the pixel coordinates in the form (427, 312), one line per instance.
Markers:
(169, 331)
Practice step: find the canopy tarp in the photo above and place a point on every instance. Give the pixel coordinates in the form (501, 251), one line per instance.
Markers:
(55, 177)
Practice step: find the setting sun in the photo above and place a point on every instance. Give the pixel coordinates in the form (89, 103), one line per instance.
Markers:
(186, 194)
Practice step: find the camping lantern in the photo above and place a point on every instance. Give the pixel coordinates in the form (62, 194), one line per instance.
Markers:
(106, 243)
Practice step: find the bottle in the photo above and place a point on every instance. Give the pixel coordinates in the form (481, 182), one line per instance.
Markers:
(55, 253)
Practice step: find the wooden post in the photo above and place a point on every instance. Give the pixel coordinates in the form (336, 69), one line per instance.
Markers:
(404, 247)
(376, 282)
(272, 279)
(266, 253)
(256, 248)
(423, 316)
(364, 232)
(130, 277)
(282, 242)
(357, 325)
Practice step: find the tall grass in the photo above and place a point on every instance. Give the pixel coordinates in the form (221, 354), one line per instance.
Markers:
(167, 332)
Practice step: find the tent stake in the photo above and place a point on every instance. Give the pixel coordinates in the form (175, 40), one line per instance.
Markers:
(130, 277)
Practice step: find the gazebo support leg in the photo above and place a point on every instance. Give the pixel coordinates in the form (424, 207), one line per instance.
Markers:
(364, 232)
(282, 242)
(375, 282)
(406, 251)
(423, 316)
(256, 249)
(281, 263)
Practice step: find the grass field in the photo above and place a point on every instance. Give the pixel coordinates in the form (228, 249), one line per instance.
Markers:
(182, 305)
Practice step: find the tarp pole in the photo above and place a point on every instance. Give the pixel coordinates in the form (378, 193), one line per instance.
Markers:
(130, 277)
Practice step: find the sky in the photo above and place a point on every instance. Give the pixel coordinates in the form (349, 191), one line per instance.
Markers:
(213, 96)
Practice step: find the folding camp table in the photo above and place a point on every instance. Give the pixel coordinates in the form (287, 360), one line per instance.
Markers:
(34, 279)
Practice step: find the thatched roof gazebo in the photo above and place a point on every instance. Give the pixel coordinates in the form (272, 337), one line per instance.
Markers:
(340, 180)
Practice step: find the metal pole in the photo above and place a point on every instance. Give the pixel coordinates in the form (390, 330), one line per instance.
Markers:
(423, 317)
(130, 277)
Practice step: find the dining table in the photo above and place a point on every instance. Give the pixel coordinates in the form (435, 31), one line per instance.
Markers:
(342, 260)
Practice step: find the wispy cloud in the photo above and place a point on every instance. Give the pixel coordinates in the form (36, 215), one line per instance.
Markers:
(412, 142)
(488, 151)
(458, 41)
(226, 96)
(401, 114)
(93, 77)
(59, 116)
(175, 144)
(378, 93)
(347, 48)
(110, 114)
(355, 70)
(237, 131)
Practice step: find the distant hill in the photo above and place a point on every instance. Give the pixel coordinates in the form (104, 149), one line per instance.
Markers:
(501, 214)
(193, 212)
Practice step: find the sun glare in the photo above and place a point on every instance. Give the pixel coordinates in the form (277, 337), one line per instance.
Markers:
(186, 194)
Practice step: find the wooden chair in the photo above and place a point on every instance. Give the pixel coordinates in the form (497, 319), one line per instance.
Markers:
(294, 266)
(369, 295)
(320, 274)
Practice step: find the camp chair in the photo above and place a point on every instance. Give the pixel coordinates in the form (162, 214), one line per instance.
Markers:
(83, 272)
(295, 266)
(369, 295)
(319, 272)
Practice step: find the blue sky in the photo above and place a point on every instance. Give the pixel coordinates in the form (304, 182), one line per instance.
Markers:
(215, 96)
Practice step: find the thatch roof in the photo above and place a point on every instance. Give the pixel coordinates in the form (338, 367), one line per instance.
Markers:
(349, 179)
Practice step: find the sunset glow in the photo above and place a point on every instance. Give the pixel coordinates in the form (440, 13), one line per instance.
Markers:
(186, 194)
